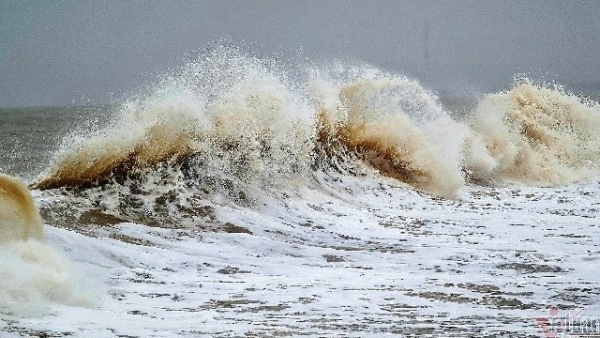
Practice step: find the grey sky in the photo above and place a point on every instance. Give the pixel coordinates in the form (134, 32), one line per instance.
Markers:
(77, 52)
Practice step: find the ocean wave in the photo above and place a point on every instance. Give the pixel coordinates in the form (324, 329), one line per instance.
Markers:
(248, 126)
(232, 123)
(394, 125)
(535, 135)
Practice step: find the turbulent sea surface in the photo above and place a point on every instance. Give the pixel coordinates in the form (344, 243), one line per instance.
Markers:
(240, 198)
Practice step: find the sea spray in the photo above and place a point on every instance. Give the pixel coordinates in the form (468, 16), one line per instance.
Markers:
(226, 113)
(233, 125)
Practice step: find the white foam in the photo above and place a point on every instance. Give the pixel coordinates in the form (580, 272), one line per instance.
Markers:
(35, 276)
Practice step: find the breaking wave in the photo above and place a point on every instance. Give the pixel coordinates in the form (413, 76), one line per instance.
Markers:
(392, 124)
(535, 135)
(227, 117)
(230, 123)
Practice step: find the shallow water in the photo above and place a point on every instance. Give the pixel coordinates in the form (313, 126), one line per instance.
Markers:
(360, 257)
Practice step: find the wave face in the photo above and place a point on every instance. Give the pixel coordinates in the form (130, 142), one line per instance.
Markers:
(230, 123)
(228, 115)
(392, 124)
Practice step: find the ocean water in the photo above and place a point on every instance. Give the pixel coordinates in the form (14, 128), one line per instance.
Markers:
(240, 198)
(29, 136)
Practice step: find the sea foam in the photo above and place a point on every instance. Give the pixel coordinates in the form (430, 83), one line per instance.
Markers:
(33, 275)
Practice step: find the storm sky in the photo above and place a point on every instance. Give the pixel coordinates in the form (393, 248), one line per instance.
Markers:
(91, 52)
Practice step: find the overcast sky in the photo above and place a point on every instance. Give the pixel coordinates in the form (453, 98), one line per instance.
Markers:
(79, 52)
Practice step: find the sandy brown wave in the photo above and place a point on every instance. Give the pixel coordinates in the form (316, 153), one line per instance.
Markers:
(386, 140)
(258, 129)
